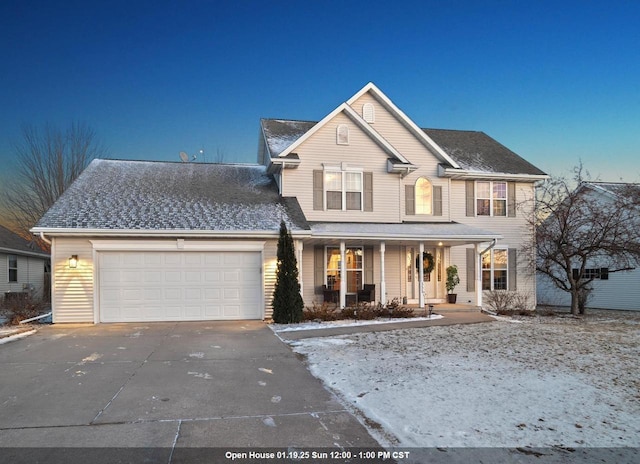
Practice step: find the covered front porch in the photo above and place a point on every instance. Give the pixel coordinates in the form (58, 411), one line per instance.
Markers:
(344, 264)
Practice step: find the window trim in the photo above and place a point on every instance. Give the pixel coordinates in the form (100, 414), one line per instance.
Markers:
(342, 134)
(369, 113)
(492, 198)
(347, 270)
(415, 194)
(491, 269)
(343, 178)
(12, 268)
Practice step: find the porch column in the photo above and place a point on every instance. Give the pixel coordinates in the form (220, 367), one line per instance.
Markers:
(478, 276)
(421, 277)
(343, 275)
(299, 247)
(383, 289)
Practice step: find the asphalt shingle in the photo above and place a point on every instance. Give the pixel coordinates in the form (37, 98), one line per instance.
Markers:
(146, 195)
(476, 151)
(472, 150)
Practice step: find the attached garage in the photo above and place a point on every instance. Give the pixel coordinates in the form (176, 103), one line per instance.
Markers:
(137, 286)
(138, 241)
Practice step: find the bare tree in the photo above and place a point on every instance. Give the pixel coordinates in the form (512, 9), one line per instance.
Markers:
(576, 227)
(220, 155)
(47, 161)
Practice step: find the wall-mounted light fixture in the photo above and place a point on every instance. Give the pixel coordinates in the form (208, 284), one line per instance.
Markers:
(73, 261)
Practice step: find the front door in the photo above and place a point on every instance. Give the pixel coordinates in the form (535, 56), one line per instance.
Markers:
(412, 275)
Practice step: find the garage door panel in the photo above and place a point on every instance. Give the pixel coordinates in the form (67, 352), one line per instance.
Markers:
(213, 311)
(172, 277)
(231, 277)
(193, 259)
(158, 286)
(174, 294)
(192, 294)
(192, 276)
(212, 294)
(152, 293)
(212, 276)
(132, 260)
(212, 259)
(172, 259)
(152, 276)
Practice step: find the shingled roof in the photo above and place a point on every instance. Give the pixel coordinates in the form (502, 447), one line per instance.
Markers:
(472, 150)
(280, 133)
(14, 244)
(476, 151)
(147, 195)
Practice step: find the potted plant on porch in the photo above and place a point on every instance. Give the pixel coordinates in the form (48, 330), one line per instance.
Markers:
(452, 281)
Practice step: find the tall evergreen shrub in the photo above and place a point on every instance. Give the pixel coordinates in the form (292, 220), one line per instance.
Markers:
(287, 301)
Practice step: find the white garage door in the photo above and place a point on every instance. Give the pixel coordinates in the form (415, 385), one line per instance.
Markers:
(179, 286)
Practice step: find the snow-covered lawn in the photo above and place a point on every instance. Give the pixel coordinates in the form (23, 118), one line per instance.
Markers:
(548, 381)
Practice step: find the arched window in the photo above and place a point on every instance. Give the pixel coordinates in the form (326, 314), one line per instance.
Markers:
(424, 196)
(368, 112)
(342, 134)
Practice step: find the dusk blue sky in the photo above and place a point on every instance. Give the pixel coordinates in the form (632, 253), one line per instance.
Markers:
(553, 81)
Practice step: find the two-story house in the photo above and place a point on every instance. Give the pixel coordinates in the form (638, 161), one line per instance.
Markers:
(365, 192)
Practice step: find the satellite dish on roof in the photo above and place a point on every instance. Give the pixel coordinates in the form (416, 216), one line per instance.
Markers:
(184, 157)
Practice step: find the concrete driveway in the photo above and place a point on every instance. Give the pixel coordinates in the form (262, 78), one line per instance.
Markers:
(164, 391)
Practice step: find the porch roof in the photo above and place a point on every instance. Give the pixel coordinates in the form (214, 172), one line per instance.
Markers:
(449, 233)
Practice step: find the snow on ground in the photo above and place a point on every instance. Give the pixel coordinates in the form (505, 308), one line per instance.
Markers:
(546, 382)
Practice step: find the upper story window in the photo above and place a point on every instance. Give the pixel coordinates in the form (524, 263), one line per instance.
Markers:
(342, 134)
(368, 112)
(491, 198)
(12, 261)
(424, 196)
(343, 190)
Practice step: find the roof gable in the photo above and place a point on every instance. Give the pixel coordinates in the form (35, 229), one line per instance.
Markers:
(623, 190)
(404, 119)
(278, 134)
(463, 154)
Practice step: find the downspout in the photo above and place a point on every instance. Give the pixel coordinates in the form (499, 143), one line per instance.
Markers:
(479, 271)
(493, 243)
(44, 239)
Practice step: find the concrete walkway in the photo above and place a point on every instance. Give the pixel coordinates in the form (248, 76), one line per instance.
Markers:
(451, 317)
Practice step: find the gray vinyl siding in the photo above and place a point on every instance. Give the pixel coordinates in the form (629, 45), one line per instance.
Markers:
(619, 292)
(30, 272)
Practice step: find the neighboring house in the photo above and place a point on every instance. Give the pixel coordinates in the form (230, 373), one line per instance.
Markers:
(22, 265)
(365, 193)
(611, 290)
